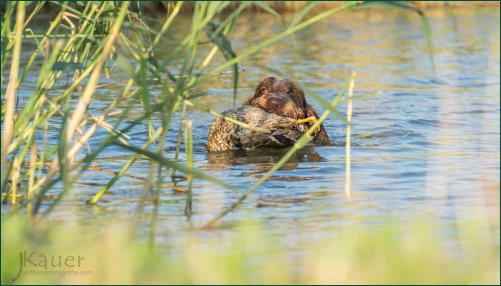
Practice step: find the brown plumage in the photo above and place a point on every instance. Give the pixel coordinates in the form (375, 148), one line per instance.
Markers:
(271, 87)
(274, 110)
(270, 130)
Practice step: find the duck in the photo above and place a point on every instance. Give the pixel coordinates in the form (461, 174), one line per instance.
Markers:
(274, 117)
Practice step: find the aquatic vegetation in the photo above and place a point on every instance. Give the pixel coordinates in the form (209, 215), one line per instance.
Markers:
(33, 165)
(413, 254)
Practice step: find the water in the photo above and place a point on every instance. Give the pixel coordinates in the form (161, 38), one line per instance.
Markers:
(430, 145)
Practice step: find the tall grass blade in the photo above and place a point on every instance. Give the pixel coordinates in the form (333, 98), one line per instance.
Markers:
(299, 16)
(10, 94)
(7, 42)
(224, 45)
(179, 133)
(347, 186)
(267, 8)
(188, 140)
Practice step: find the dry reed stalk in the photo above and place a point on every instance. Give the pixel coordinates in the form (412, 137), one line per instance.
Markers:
(347, 187)
(89, 90)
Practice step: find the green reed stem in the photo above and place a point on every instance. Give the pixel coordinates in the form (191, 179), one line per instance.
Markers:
(86, 161)
(166, 25)
(78, 113)
(188, 141)
(179, 139)
(31, 180)
(81, 107)
(10, 94)
(148, 182)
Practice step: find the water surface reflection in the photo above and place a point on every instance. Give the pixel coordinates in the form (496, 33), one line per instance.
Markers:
(426, 145)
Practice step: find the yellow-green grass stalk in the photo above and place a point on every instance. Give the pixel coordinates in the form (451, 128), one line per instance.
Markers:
(10, 94)
(153, 165)
(7, 42)
(178, 143)
(188, 141)
(94, 77)
(65, 95)
(16, 168)
(134, 157)
(157, 200)
(131, 161)
(99, 149)
(34, 101)
(347, 186)
(126, 166)
(81, 107)
(31, 180)
(226, 25)
(86, 162)
(30, 132)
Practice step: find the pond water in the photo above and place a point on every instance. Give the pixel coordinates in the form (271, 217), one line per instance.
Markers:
(430, 146)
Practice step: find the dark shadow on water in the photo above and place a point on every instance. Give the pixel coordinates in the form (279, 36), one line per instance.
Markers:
(263, 159)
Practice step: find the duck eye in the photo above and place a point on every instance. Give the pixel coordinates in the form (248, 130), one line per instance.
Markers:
(262, 90)
(291, 92)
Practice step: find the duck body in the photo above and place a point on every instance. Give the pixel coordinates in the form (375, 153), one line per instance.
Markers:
(269, 130)
(276, 112)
